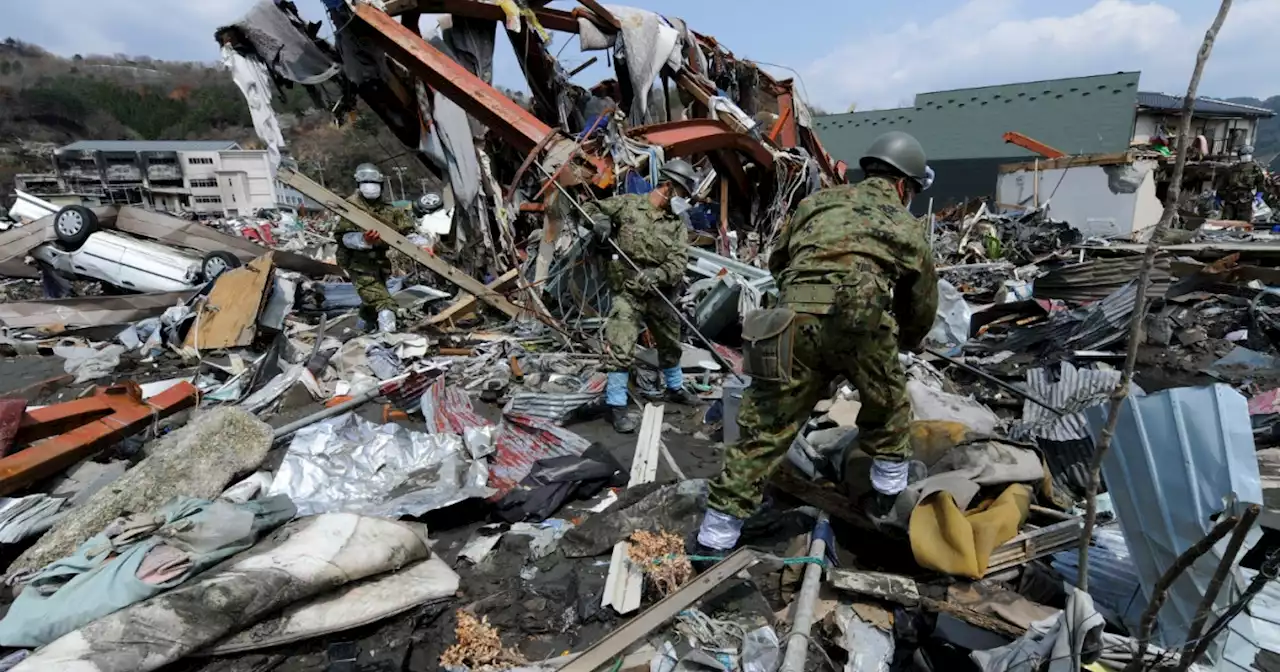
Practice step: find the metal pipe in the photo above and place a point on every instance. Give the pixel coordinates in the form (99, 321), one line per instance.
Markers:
(352, 403)
(802, 620)
(996, 381)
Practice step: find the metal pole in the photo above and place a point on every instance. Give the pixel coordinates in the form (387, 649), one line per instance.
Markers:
(995, 381)
(710, 348)
(802, 620)
(354, 402)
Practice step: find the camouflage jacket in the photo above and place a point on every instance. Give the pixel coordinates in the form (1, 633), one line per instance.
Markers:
(835, 228)
(1242, 180)
(654, 238)
(371, 261)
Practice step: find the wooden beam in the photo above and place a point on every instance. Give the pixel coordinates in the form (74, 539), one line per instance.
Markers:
(466, 302)
(350, 212)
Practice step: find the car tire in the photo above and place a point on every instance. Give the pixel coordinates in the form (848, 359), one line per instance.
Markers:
(73, 225)
(217, 263)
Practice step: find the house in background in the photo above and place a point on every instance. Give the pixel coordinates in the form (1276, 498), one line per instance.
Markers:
(209, 178)
(962, 130)
(1225, 126)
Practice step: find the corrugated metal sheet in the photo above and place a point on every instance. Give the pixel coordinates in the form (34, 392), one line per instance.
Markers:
(1071, 391)
(1091, 327)
(1165, 102)
(554, 407)
(522, 441)
(1113, 582)
(1262, 619)
(1098, 278)
(1176, 457)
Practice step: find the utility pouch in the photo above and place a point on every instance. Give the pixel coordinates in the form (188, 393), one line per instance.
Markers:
(769, 349)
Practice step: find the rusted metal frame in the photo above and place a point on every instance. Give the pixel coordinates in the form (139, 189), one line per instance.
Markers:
(697, 136)
(604, 14)
(131, 415)
(729, 167)
(777, 125)
(511, 122)
(790, 137)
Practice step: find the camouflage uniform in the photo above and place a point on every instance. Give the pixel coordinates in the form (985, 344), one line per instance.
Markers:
(850, 256)
(1242, 180)
(367, 269)
(655, 240)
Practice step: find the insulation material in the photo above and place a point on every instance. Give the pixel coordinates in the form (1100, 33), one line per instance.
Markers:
(305, 558)
(197, 460)
(350, 464)
(351, 606)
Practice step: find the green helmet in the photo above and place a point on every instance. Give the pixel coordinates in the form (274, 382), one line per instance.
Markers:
(901, 151)
(367, 172)
(680, 172)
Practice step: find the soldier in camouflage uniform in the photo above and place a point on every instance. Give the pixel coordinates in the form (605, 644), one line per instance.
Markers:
(648, 230)
(363, 254)
(1243, 180)
(855, 270)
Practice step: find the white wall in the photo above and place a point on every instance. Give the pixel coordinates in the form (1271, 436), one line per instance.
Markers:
(1084, 198)
(1215, 130)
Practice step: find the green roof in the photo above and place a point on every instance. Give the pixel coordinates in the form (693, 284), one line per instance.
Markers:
(1078, 115)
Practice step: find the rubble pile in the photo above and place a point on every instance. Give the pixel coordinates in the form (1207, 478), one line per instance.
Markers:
(286, 485)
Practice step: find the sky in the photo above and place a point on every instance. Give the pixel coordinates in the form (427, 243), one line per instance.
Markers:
(844, 53)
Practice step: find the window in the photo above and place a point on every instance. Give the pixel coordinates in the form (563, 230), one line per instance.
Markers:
(200, 161)
(204, 184)
(211, 200)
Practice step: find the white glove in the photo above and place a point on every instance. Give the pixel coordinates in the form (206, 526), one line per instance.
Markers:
(355, 241)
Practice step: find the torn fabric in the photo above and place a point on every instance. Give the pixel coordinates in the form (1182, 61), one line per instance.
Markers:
(251, 77)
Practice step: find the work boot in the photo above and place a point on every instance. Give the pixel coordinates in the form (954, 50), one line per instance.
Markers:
(877, 506)
(623, 421)
(682, 396)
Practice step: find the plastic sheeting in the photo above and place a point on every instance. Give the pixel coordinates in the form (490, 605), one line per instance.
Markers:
(1178, 459)
(951, 325)
(251, 76)
(349, 464)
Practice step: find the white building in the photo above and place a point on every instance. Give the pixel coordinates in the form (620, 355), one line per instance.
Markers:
(1225, 126)
(207, 178)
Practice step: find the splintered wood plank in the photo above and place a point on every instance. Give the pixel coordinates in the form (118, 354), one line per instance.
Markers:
(229, 317)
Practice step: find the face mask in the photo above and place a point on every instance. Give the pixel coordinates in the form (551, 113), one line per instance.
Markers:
(680, 205)
(371, 190)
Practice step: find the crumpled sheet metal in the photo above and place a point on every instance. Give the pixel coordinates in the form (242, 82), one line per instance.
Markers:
(1073, 391)
(1177, 459)
(22, 517)
(1113, 580)
(523, 440)
(447, 409)
(349, 464)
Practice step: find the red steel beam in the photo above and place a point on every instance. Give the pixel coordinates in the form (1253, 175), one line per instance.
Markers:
(118, 411)
(510, 121)
(685, 138)
(1033, 145)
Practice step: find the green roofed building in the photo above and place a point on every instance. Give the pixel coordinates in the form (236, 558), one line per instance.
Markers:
(962, 130)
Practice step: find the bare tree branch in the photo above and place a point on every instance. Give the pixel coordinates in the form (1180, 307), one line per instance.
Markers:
(1195, 648)
(1136, 334)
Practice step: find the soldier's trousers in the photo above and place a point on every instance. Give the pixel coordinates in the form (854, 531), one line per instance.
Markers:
(1237, 211)
(628, 317)
(374, 297)
(772, 413)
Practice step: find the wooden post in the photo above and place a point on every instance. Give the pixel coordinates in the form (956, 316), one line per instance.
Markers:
(1140, 301)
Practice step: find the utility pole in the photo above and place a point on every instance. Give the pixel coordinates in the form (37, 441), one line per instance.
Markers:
(400, 174)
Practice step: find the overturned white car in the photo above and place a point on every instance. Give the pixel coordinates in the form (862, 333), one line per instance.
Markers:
(84, 249)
